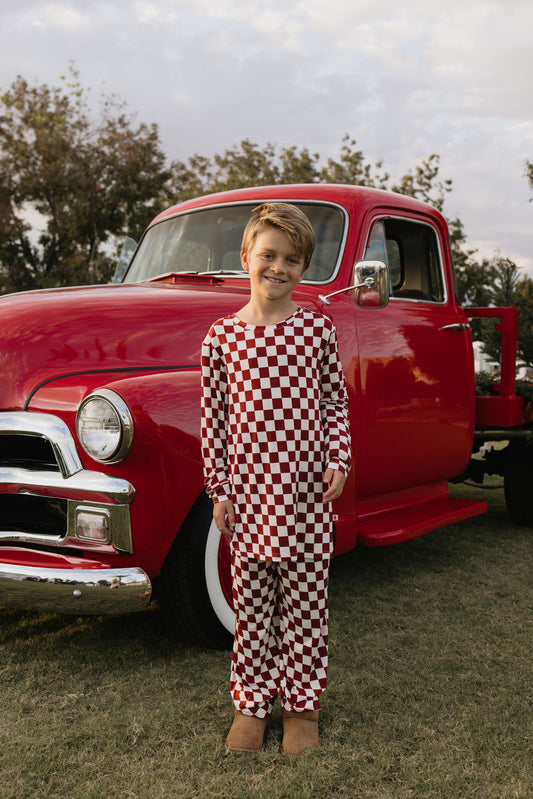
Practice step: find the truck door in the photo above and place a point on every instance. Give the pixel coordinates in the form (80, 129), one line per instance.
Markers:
(416, 366)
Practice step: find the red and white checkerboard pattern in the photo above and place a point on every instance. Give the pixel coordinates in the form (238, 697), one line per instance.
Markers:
(274, 415)
(281, 634)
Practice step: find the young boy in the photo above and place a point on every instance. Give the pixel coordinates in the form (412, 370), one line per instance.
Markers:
(276, 450)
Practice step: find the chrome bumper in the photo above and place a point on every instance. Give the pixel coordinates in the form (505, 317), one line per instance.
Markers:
(79, 591)
(63, 588)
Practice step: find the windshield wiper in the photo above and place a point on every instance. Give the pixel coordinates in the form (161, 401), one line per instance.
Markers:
(239, 272)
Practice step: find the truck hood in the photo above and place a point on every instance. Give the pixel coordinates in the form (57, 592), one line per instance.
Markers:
(52, 333)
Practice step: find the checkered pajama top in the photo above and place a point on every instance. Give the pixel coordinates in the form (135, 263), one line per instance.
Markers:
(274, 414)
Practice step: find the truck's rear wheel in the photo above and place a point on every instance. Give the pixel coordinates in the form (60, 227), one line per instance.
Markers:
(195, 584)
(518, 482)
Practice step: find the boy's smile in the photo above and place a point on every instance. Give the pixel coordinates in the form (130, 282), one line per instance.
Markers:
(274, 267)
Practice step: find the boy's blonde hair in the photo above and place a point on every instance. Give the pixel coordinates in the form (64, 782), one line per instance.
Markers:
(287, 218)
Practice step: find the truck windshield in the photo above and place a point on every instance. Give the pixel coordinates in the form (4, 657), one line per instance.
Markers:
(209, 240)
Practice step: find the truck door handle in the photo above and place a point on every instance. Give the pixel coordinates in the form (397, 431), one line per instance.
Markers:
(456, 326)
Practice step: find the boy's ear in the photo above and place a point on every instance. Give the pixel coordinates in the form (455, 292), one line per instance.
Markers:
(244, 260)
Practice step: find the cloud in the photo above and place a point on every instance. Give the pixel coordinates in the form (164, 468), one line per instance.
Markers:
(144, 11)
(56, 16)
(405, 80)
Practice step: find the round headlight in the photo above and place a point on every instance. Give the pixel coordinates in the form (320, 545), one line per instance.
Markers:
(105, 426)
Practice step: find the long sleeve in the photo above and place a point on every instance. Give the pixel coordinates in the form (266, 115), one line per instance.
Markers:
(214, 421)
(334, 410)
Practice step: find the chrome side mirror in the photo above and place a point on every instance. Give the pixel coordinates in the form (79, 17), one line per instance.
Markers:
(371, 285)
(371, 279)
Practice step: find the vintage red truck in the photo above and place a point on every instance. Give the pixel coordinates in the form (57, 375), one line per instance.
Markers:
(101, 485)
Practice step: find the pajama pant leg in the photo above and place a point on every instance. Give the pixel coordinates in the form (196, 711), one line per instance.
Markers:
(254, 679)
(281, 634)
(303, 610)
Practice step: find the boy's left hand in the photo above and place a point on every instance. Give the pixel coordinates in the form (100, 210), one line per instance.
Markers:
(335, 481)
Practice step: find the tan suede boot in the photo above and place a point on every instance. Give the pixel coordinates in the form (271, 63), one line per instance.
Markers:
(247, 733)
(300, 731)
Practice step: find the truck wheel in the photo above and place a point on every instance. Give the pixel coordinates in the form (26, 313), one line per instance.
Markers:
(518, 482)
(195, 583)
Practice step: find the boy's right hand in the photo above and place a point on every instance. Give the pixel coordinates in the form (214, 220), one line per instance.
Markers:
(224, 516)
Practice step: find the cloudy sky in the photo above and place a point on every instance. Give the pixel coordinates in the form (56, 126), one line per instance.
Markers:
(403, 79)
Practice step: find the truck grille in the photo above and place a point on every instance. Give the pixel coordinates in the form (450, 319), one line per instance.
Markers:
(27, 514)
(27, 452)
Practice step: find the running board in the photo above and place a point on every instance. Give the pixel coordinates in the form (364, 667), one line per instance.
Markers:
(402, 524)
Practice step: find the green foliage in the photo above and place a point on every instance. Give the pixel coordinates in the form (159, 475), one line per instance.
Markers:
(529, 172)
(352, 168)
(473, 279)
(485, 384)
(80, 183)
(524, 301)
(244, 165)
(509, 289)
(423, 184)
(250, 165)
(524, 388)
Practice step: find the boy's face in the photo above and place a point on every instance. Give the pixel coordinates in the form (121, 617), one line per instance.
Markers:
(274, 267)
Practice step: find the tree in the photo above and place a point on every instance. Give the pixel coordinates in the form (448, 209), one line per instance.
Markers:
(502, 293)
(298, 167)
(250, 165)
(474, 279)
(80, 183)
(510, 289)
(524, 297)
(422, 183)
(244, 165)
(353, 168)
(529, 172)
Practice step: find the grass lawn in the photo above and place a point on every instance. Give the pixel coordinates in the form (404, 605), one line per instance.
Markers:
(430, 688)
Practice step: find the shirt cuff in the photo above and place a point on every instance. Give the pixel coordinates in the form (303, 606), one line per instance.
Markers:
(337, 466)
(221, 494)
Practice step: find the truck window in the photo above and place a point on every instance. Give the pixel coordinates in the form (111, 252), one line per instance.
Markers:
(209, 239)
(411, 251)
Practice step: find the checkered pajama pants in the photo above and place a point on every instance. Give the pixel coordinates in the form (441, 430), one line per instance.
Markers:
(281, 634)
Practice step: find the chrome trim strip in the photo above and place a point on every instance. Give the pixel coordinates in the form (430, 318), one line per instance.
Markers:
(15, 537)
(503, 434)
(80, 591)
(45, 425)
(85, 481)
